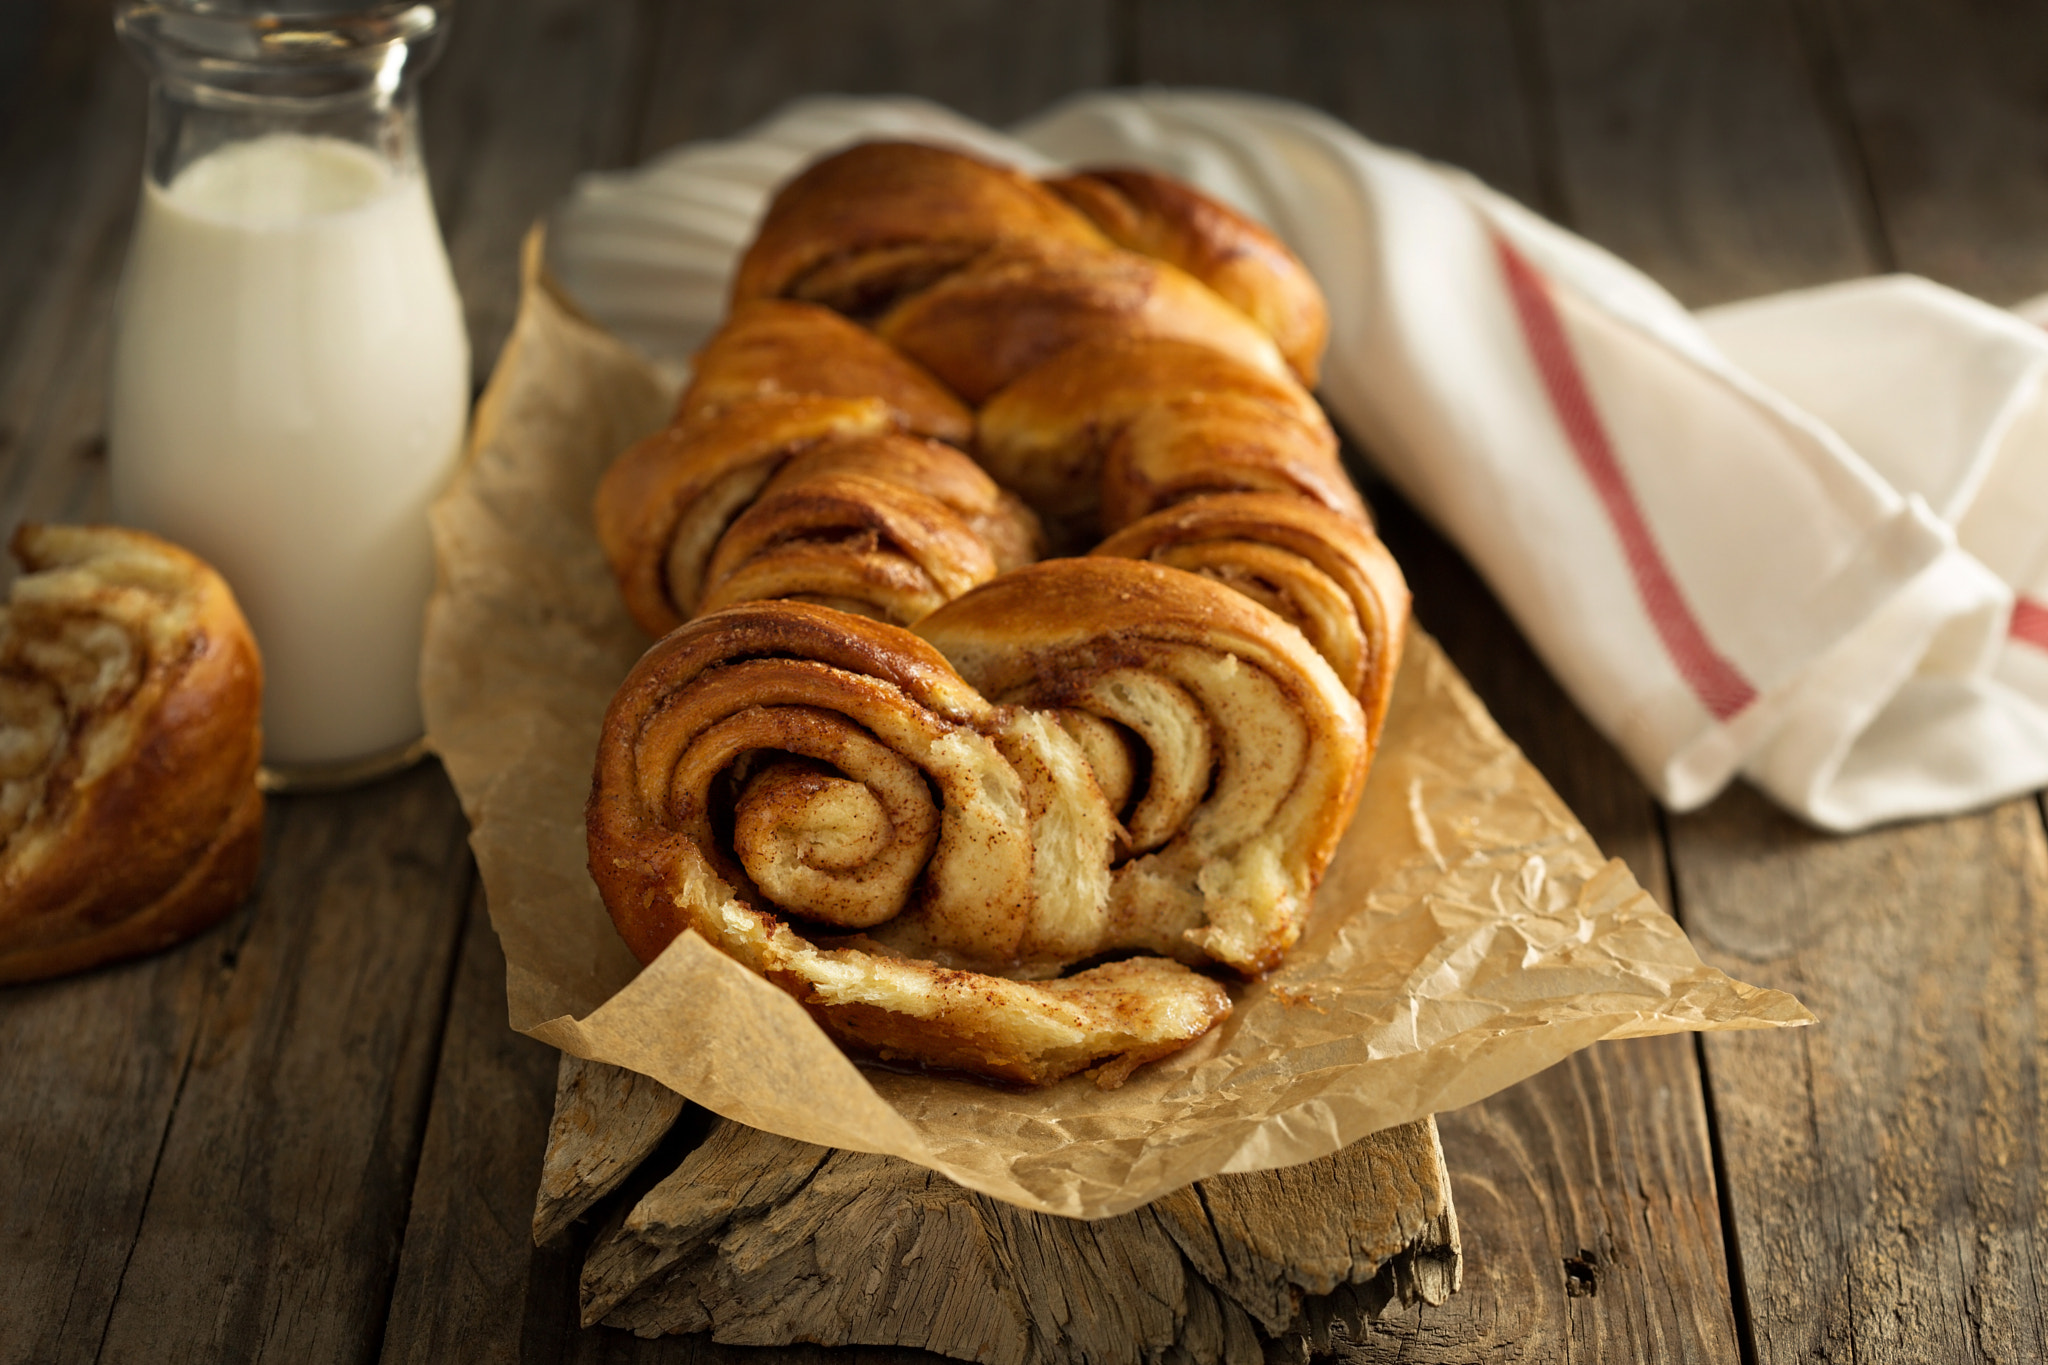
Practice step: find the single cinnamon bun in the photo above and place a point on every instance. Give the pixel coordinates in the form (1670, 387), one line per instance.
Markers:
(871, 230)
(821, 797)
(130, 732)
(663, 505)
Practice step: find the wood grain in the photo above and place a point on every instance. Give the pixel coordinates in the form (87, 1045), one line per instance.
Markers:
(1446, 78)
(70, 165)
(607, 1121)
(1886, 1174)
(469, 1279)
(1945, 105)
(528, 94)
(238, 1116)
(281, 1188)
(1694, 143)
(92, 1068)
(724, 64)
(761, 1240)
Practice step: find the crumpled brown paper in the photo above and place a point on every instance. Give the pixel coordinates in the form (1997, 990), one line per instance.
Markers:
(1468, 935)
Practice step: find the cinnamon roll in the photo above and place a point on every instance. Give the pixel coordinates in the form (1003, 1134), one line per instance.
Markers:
(823, 798)
(884, 526)
(130, 732)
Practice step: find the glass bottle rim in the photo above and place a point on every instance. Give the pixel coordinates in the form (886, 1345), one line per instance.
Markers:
(317, 51)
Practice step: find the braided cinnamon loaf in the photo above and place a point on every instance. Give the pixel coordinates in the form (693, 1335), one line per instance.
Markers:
(881, 756)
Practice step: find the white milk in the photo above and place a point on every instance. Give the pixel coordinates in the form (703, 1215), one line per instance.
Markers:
(291, 384)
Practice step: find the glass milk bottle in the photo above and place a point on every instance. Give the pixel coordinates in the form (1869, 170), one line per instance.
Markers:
(291, 370)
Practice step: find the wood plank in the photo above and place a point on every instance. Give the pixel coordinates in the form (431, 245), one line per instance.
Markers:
(1885, 1169)
(58, 62)
(274, 1214)
(92, 1068)
(1693, 143)
(724, 64)
(70, 165)
(1446, 78)
(607, 1121)
(528, 94)
(1943, 103)
(209, 1151)
(464, 1285)
(763, 1240)
(1597, 1174)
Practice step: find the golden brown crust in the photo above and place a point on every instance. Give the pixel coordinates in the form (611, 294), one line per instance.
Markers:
(806, 497)
(857, 229)
(1121, 426)
(983, 326)
(1127, 1013)
(1168, 219)
(886, 526)
(134, 697)
(663, 505)
(1329, 576)
(881, 548)
(774, 348)
(1006, 528)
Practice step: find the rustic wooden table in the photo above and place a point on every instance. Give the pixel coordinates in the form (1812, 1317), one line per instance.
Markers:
(310, 1136)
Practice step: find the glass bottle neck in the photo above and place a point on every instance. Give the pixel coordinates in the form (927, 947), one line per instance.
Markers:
(221, 75)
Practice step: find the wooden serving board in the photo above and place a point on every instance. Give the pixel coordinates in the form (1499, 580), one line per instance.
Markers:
(709, 1226)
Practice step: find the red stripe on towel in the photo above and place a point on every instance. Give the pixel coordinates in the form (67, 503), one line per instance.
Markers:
(2029, 622)
(1718, 684)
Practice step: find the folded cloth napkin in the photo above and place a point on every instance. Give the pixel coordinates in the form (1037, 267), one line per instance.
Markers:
(1803, 539)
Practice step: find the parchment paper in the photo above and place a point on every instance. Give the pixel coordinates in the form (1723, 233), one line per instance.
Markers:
(1468, 935)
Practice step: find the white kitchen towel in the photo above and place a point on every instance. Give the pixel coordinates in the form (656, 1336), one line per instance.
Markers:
(1804, 539)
